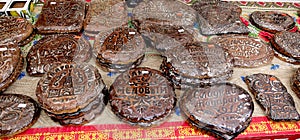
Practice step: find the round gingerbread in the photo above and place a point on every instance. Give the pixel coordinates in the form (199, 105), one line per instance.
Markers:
(53, 50)
(246, 51)
(97, 102)
(286, 58)
(121, 46)
(11, 64)
(287, 43)
(68, 88)
(142, 96)
(272, 21)
(85, 118)
(18, 113)
(164, 37)
(14, 29)
(82, 116)
(224, 109)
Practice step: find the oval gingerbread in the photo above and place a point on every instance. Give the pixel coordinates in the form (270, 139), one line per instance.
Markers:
(246, 51)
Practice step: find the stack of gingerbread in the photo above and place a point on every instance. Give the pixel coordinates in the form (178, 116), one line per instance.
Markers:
(72, 94)
(18, 112)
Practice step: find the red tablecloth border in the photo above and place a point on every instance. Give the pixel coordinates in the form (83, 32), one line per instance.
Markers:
(259, 128)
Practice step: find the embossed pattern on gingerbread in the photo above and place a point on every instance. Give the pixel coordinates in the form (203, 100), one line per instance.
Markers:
(53, 50)
(273, 97)
(247, 51)
(61, 16)
(172, 11)
(295, 82)
(287, 43)
(104, 15)
(18, 113)
(83, 116)
(219, 18)
(165, 37)
(224, 109)
(142, 96)
(11, 64)
(198, 63)
(69, 88)
(14, 29)
(119, 49)
(272, 21)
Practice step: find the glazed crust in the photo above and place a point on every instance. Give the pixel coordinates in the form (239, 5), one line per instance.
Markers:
(99, 101)
(53, 50)
(61, 16)
(69, 88)
(219, 18)
(287, 44)
(182, 82)
(18, 113)
(104, 15)
(199, 60)
(224, 109)
(273, 97)
(142, 96)
(82, 116)
(286, 58)
(172, 11)
(247, 51)
(163, 36)
(120, 47)
(272, 21)
(11, 65)
(14, 29)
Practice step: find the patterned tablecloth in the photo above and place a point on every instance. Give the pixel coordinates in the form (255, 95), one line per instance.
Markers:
(107, 126)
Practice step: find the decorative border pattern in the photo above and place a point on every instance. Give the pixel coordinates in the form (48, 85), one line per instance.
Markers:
(260, 126)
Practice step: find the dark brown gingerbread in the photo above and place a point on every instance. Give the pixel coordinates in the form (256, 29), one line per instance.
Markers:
(104, 15)
(273, 97)
(69, 87)
(14, 29)
(163, 36)
(82, 116)
(61, 16)
(52, 50)
(287, 43)
(142, 96)
(120, 47)
(11, 64)
(286, 58)
(272, 21)
(219, 18)
(18, 113)
(224, 109)
(172, 12)
(206, 62)
(246, 51)
(295, 82)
